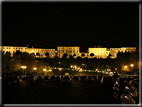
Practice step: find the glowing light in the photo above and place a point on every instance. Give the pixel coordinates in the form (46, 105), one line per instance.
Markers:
(34, 68)
(44, 69)
(50, 70)
(60, 69)
(132, 65)
(125, 66)
(23, 67)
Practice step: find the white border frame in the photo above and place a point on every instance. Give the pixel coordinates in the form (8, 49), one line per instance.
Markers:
(77, 104)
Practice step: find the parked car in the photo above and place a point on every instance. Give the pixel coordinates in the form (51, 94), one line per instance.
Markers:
(90, 78)
(119, 86)
(130, 95)
(107, 81)
(66, 79)
(76, 78)
(83, 78)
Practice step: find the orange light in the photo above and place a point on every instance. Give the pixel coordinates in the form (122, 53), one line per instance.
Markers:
(132, 65)
(23, 67)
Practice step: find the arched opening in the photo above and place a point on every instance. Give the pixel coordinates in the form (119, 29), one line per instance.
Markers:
(37, 54)
(83, 55)
(92, 54)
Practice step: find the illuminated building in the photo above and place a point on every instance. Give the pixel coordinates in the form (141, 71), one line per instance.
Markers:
(99, 52)
(42, 52)
(61, 50)
(13, 49)
(114, 51)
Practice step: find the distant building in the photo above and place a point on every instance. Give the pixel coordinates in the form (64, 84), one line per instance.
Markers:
(42, 52)
(73, 51)
(114, 51)
(98, 52)
(13, 49)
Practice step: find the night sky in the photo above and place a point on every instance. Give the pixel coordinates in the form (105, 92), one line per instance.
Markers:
(52, 24)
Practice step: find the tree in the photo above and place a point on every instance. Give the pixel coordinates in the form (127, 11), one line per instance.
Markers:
(71, 60)
(56, 60)
(78, 61)
(64, 59)
(134, 59)
(6, 63)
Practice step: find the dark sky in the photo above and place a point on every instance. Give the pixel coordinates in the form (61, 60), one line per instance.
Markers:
(52, 24)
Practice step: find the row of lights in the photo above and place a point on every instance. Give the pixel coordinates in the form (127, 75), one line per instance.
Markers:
(24, 67)
(130, 65)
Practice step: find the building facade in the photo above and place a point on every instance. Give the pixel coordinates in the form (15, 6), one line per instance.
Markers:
(114, 51)
(98, 52)
(41, 52)
(73, 51)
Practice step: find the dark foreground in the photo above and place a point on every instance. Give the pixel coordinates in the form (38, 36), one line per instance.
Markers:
(51, 92)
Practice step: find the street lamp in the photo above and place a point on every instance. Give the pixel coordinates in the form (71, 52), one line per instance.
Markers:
(23, 67)
(132, 66)
(125, 66)
(44, 70)
(60, 70)
(35, 68)
(59, 64)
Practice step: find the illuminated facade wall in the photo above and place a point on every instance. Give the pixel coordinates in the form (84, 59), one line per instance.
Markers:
(42, 52)
(13, 49)
(85, 55)
(69, 50)
(98, 52)
(114, 51)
